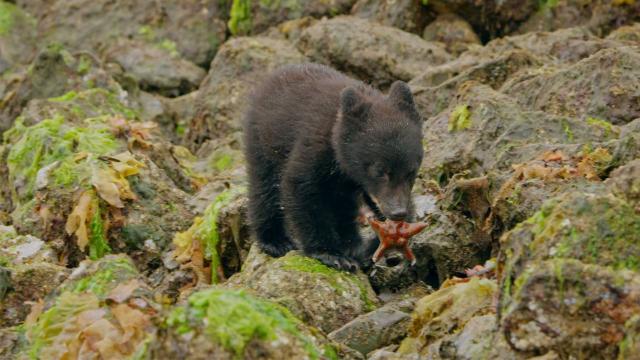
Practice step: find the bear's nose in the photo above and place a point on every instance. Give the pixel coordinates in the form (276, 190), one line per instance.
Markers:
(398, 214)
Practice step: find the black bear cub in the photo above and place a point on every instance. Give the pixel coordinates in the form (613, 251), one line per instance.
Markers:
(317, 144)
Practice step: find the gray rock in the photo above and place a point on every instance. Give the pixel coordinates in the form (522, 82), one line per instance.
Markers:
(453, 31)
(17, 36)
(407, 15)
(156, 69)
(370, 51)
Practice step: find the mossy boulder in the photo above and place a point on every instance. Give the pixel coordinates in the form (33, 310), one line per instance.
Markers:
(234, 324)
(240, 65)
(320, 296)
(17, 36)
(578, 270)
(102, 310)
(74, 183)
(446, 312)
(603, 86)
(369, 51)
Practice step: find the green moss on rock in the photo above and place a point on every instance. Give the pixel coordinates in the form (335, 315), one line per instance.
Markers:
(460, 118)
(234, 318)
(9, 13)
(108, 273)
(240, 17)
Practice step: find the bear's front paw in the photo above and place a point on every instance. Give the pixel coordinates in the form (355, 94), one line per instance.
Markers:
(276, 250)
(336, 261)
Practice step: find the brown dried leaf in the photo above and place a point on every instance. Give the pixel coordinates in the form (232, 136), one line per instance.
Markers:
(104, 183)
(36, 309)
(77, 220)
(122, 292)
(132, 321)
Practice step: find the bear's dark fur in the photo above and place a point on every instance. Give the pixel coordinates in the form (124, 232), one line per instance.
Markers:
(317, 141)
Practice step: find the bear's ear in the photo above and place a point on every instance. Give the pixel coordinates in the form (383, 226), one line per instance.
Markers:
(352, 104)
(400, 95)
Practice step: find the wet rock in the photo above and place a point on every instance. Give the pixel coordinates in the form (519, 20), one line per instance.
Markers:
(318, 295)
(370, 51)
(485, 130)
(453, 31)
(155, 68)
(446, 312)
(17, 36)
(290, 30)
(604, 86)
(433, 99)
(53, 73)
(407, 15)
(84, 190)
(578, 271)
(381, 327)
(625, 181)
(103, 303)
(598, 16)
(489, 18)
(194, 29)
(253, 17)
(235, 324)
(23, 249)
(629, 34)
(240, 64)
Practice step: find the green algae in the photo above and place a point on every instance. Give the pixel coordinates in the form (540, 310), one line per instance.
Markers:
(98, 243)
(9, 15)
(234, 318)
(50, 141)
(240, 17)
(314, 266)
(69, 96)
(460, 118)
(608, 128)
(111, 273)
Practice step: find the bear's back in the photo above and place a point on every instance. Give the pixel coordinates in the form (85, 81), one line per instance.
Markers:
(296, 103)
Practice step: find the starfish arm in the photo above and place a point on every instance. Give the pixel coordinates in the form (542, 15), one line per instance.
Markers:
(379, 252)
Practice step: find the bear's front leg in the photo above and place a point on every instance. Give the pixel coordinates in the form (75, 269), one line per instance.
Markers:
(311, 220)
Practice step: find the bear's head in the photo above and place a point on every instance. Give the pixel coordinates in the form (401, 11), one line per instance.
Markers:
(378, 144)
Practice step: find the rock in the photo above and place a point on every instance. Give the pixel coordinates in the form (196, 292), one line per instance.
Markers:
(573, 308)
(23, 249)
(17, 36)
(235, 324)
(240, 65)
(102, 302)
(489, 18)
(375, 53)
(408, 15)
(446, 312)
(84, 190)
(253, 17)
(599, 16)
(193, 28)
(380, 327)
(155, 68)
(318, 295)
(54, 72)
(485, 130)
(431, 99)
(604, 86)
(453, 31)
(578, 271)
(625, 182)
(629, 34)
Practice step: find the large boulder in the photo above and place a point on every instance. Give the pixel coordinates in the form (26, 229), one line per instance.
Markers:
(234, 324)
(320, 296)
(604, 86)
(407, 15)
(578, 271)
(156, 68)
(222, 99)
(194, 28)
(87, 177)
(453, 31)
(367, 50)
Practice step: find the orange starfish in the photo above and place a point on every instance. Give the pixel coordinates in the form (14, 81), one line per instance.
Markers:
(395, 234)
